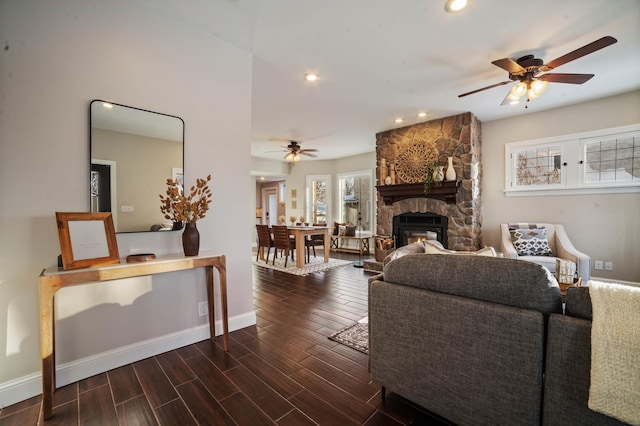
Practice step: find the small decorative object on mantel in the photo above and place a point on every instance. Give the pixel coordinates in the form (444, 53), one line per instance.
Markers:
(433, 177)
(282, 220)
(451, 172)
(383, 172)
(292, 219)
(438, 173)
(180, 208)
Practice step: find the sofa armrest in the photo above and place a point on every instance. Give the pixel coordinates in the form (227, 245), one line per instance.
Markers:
(506, 246)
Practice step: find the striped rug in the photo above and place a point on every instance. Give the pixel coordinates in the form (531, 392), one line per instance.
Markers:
(316, 264)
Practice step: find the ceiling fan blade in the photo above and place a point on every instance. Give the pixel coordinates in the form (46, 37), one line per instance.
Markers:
(584, 50)
(309, 150)
(509, 65)
(566, 78)
(307, 154)
(485, 88)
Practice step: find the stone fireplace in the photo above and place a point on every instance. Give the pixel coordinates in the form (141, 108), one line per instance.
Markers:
(458, 202)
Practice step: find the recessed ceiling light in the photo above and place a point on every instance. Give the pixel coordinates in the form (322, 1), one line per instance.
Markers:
(453, 6)
(399, 120)
(107, 105)
(311, 77)
(422, 114)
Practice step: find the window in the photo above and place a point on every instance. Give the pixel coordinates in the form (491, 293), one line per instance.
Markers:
(612, 159)
(538, 165)
(355, 195)
(604, 161)
(318, 198)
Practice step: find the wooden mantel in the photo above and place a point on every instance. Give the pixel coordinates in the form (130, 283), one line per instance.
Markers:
(445, 192)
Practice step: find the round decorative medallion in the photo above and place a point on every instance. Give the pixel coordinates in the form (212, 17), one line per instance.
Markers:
(413, 161)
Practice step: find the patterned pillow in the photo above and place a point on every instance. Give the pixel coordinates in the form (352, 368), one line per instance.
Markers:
(530, 242)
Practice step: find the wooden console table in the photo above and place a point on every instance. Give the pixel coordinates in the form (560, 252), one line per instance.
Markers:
(54, 278)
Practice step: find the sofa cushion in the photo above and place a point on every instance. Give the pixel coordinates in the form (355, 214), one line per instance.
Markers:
(530, 242)
(413, 248)
(579, 303)
(507, 281)
(430, 248)
(434, 247)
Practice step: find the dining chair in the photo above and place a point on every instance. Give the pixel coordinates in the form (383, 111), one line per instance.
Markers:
(282, 242)
(314, 241)
(264, 240)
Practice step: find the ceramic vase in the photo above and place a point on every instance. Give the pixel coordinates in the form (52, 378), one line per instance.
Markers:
(451, 173)
(438, 174)
(191, 239)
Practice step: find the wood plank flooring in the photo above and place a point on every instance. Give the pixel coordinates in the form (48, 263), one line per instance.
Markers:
(283, 371)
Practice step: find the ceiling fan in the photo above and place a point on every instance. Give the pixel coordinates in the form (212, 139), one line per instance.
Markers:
(295, 150)
(526, 71)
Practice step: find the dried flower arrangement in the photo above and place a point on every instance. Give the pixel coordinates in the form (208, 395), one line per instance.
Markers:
(180, 208)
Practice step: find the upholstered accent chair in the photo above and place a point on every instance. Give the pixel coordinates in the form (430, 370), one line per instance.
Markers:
(526, 241)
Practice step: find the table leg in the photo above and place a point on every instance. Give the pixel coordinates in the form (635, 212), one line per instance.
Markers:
(327, 247)
(47, 344)
(222, 271)
(300, 250)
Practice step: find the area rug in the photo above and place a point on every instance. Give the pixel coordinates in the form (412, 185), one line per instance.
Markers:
(316, 264)
(355, 336)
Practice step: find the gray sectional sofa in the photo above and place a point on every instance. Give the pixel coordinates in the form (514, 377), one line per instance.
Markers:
(480, 340)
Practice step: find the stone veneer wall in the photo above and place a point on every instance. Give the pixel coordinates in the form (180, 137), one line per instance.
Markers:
(458, 137)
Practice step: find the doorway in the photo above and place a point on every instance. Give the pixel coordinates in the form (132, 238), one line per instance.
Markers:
(270, 203)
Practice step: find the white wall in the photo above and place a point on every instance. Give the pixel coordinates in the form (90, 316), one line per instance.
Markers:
(56, 57)
(606, 227)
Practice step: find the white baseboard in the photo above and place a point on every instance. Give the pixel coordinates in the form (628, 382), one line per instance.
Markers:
(30, 385)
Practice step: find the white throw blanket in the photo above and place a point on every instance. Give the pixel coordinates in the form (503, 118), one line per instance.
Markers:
(615, 351)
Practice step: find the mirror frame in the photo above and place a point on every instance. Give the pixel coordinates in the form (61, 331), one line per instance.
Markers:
(91, 150)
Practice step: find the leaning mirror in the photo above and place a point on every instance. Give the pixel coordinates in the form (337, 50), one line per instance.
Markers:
(133, 152)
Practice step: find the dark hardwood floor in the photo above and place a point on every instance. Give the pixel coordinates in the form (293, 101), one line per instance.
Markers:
(282, 371)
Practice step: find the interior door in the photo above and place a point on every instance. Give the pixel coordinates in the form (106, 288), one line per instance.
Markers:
(270, 203)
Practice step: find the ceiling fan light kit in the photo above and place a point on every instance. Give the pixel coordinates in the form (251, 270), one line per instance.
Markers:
(526, 71)
(453, 6)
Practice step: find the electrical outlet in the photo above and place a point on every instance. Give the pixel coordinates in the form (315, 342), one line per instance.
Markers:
(597, 265)
(202, 309)
(608, 266)
(126, 209)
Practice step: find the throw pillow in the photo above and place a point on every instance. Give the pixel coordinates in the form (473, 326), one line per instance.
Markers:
(336, 226)
(530, 242)
(431, 248)
(342, 230)
(351, 231)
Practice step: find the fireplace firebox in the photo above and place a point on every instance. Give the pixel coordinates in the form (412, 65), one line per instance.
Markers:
(409, 228)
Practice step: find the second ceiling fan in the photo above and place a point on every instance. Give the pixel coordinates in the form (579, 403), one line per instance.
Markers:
(295, 151)
(526, 71)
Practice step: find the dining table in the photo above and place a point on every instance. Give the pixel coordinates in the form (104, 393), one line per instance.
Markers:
(300, 233)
